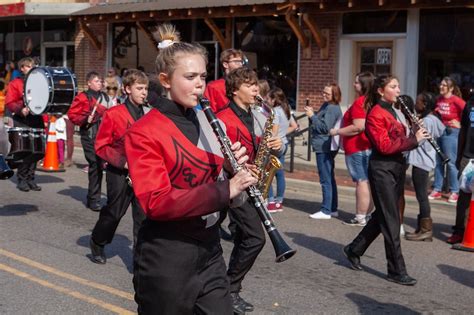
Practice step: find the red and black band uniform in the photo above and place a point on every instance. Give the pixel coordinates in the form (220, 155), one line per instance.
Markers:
(386, 172)
(110, 147)
(14, 103)
(176, 167)
(247, 127)
(81, 107)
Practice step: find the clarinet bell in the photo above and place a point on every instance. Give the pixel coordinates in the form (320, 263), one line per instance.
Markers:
(5, 171)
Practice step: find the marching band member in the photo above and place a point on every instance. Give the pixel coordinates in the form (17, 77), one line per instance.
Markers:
(109, 146)
(176, 167)
(386, 167)
(245, 126)
(23, 118)
(86, 111)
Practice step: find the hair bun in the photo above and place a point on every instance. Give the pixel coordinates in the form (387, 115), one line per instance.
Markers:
(167, 35)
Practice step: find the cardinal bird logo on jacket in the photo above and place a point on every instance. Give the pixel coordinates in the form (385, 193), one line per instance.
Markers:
(189, 171)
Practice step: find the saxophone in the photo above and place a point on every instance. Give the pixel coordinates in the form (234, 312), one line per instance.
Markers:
(267, 164)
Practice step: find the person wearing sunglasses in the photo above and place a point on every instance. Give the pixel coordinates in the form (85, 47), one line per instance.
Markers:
(215, 91)
(112, 90)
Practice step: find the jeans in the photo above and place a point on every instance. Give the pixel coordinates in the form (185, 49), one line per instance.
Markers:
(325, 165)
(280, 180)
(448, 143)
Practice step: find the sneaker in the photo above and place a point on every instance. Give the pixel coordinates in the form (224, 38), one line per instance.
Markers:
(454, 239)
(453, 198)
(334, 214)
(402, 230)
(320, 215)
(272, 207)
(354, 222)
(434, 195)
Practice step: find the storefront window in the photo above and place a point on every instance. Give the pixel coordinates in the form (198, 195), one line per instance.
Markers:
(446, 49)
(272, 50)
(59, 30)
(27, 39)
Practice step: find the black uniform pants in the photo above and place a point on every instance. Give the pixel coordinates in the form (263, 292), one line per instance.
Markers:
(119, 197)
(176, 274)
(95, 168)
(384, 177)
(249, 239)
(26, 170)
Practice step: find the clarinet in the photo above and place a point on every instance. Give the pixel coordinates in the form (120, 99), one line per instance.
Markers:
(414, 119)
(282, 250)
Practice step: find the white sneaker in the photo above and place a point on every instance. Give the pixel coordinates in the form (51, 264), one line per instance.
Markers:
(402, 230)
(320, 215)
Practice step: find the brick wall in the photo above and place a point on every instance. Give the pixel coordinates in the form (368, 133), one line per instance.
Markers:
(87, 58)
(316, 72)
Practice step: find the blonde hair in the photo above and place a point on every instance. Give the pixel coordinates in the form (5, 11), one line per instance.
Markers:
(172, 48)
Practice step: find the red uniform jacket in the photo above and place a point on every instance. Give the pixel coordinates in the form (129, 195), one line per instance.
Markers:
(386, 133)
(237, 131)
(82, 107)
(215, 93)
(109, 142)
(14, 97)
(172, 178)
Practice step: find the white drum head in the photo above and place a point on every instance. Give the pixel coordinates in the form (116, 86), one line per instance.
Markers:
(37, 91)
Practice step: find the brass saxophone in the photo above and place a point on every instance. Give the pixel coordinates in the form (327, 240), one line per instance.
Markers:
(267, 164)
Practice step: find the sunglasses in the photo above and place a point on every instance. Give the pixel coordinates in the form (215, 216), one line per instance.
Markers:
(112, 88)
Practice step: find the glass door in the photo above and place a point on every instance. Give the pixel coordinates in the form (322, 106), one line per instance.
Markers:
(58, 55)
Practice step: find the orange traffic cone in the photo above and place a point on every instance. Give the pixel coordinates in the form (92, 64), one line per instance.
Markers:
(468, 239)
(51, 159)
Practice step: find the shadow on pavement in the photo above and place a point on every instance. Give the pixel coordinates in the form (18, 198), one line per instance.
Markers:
(462, 276)
(307, 206)
(41, 179)
(17, 209)
(120, 247)
(369, 305)
(330, 250)
(76, 192)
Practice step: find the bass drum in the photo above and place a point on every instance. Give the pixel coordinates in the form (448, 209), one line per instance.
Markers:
(49, 90)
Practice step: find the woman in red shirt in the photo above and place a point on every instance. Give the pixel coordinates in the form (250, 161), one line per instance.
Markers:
(449, 106)
(357, 147)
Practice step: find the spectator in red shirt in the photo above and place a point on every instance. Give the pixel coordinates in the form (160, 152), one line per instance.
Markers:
(215, 91)
(357, 148)
(449, 106)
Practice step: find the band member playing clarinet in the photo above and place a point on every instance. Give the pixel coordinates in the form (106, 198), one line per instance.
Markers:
(245, 126)
(86, 111)
(386, 167)
(23, 118)
(176, 168)
(109, 146)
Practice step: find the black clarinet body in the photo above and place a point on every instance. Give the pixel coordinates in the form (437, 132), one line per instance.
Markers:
(416, 121)
(282, 250)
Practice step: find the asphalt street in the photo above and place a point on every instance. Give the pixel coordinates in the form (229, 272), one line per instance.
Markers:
(45, 269)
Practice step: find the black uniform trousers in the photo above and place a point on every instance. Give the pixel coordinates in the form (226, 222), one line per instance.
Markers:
(177, 274)
(249, 239)
(119, 197)
(385, 177)
(95, 167)
(27, 166)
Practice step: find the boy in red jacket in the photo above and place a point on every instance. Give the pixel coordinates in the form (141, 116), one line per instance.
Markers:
(109, 146)
(86, 111)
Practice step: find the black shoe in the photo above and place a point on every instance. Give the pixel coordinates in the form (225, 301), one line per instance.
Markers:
(353, 258)
(97, 251)
(34, 186)
(225, 235)
(94, 206)
(403, 279)
(239, 304)
(23, 186)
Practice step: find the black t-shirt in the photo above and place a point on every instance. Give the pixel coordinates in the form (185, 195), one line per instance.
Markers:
(467, 124)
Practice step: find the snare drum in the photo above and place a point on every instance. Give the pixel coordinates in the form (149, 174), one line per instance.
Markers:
(49, 90)
(20, 143)
(37, 143)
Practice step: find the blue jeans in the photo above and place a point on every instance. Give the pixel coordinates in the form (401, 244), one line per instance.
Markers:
(280, 180)
(448, 143)
(325, 165)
